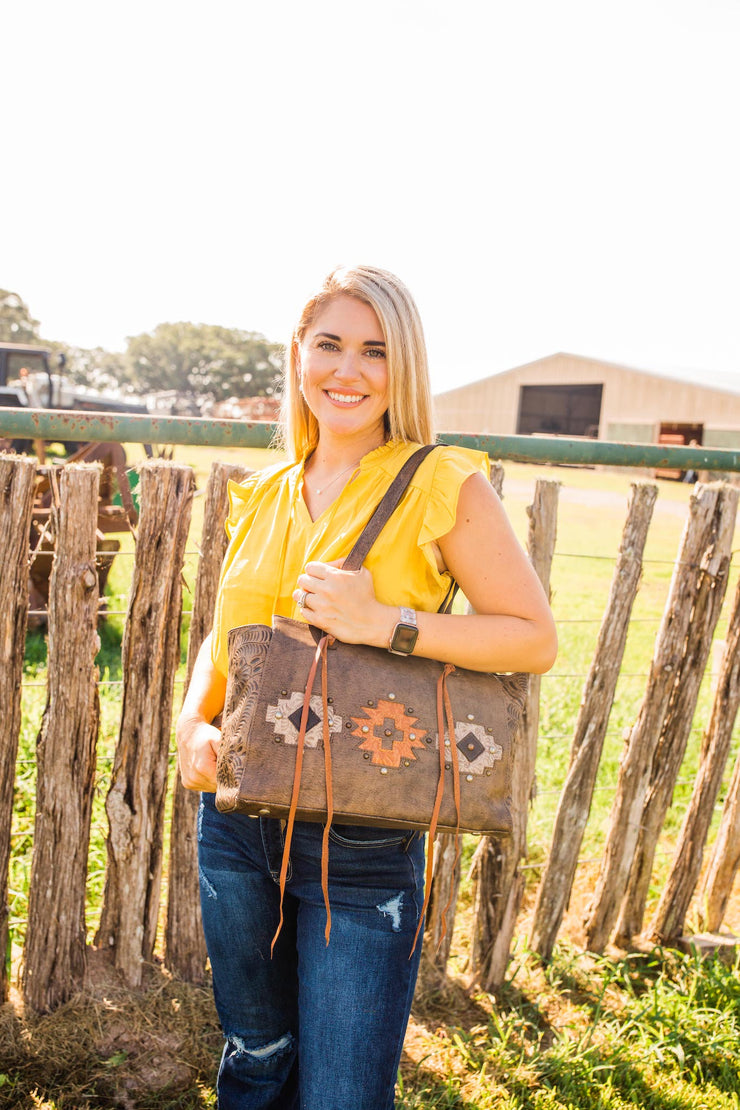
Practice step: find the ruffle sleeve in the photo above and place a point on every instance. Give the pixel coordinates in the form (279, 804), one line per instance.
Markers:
(240, 494)
(244, 496)
(454, 465)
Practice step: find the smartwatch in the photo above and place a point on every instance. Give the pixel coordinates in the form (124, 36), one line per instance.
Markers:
(405, 634)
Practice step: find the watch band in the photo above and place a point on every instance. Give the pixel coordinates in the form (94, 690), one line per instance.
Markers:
(405, 633)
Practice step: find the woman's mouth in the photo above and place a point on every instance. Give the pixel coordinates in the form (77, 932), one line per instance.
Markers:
(344, 398)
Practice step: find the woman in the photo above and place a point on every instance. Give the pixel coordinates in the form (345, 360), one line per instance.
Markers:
(321, 1027)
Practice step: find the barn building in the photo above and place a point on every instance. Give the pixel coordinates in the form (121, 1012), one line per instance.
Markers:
(574, 396)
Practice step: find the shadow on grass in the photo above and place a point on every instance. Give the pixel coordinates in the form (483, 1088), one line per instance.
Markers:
(586, 1033)
(601, 1081)
(424, 1089)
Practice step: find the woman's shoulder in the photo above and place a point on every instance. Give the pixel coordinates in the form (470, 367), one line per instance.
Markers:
(440, 478)
(447, 467)
(444, 463)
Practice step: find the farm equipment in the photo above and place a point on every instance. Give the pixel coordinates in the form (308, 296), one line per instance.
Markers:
(27, 381)
(112, 517)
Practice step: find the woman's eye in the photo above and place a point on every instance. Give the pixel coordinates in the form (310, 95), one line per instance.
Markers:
(327, 345)
(376, 352)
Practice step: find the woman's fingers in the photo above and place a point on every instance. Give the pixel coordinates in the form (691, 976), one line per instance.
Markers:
(197, 745)
(339, 602)
(322, 584)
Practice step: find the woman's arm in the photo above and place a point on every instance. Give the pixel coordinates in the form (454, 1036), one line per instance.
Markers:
(197, 738)
(512, 628)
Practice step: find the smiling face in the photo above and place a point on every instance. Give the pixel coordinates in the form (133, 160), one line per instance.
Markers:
(343, 372)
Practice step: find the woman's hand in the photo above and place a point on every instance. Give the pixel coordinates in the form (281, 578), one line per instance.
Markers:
(343, 603)
(197, 747)
(197, 739)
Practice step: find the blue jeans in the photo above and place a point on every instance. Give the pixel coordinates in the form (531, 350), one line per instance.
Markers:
(315, 1027)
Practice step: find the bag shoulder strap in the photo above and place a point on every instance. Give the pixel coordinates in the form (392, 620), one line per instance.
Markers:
(385, 508)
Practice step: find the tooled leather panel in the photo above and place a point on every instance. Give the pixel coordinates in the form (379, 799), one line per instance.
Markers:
(248, 647)
(516, 686)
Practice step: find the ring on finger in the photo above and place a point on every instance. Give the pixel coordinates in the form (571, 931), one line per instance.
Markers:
(301, 600)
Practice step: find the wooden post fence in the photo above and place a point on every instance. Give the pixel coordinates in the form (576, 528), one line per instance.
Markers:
(185, 947)
(151, 652)
(499, 884)
(596, 704)
(55, 953)
(707, 604)
(54, 957)
(17, 479)
(668, 921)
(635, 767)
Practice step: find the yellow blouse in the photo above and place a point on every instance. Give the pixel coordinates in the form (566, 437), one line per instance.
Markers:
(272, 537)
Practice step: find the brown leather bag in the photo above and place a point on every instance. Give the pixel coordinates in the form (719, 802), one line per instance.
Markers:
(387, 740)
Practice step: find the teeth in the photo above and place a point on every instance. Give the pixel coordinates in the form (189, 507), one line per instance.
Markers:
(345, 398)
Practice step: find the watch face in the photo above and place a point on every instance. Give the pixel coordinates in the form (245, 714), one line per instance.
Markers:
(404, 638)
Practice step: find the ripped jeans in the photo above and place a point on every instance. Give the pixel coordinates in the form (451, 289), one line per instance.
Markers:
(313, 1027)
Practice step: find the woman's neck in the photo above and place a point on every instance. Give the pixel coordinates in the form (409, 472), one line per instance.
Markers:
(330, 467)
(334, 453)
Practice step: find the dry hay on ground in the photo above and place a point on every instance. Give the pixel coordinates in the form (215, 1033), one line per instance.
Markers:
(109, 1046)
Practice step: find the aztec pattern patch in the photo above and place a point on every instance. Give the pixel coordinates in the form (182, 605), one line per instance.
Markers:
(286, 717)
(388, 733)
(477, 751)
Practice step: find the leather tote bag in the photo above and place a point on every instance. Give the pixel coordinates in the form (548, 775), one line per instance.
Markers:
(315, 729)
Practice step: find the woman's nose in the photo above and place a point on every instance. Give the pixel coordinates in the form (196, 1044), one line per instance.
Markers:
(348, 364)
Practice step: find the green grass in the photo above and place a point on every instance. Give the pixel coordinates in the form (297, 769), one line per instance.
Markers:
(653, 1030)
(657, 1031)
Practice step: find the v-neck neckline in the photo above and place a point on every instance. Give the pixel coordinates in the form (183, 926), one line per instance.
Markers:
(371, 459)
(301, 501)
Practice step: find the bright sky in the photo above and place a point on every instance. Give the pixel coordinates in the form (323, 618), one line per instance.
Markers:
(545, 175)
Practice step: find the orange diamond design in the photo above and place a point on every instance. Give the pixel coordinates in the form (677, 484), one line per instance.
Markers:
(388, 716)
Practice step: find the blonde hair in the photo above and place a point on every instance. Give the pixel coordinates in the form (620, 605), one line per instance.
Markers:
(409, 414)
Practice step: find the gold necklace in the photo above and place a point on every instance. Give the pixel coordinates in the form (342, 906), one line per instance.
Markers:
(336, 478)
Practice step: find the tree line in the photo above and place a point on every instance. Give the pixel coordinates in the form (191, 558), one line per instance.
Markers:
(204, 361)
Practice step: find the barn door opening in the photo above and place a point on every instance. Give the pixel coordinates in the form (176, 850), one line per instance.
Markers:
(563, 410)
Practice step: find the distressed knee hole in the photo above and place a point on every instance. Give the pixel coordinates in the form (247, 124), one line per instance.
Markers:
(237, 1047)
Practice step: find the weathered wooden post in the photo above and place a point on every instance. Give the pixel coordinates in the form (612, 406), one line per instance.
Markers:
(55, 953)
(588, 740)
(150, 656)
(668, 920)
(724, 861)
(440, 919)
(499, 884)
(707, 604)
(637, 757)
(17, 477)
(185, 947)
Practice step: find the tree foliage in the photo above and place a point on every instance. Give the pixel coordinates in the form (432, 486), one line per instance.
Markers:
(94, 368)
(16, 323)
(205, 360)
(199, 361)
